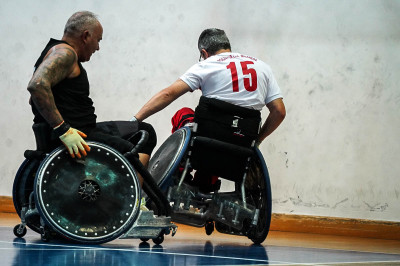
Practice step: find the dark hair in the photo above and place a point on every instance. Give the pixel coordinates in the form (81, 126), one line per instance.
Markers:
(213, 40)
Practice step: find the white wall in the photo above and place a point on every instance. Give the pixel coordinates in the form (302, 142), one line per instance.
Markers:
(337, 63)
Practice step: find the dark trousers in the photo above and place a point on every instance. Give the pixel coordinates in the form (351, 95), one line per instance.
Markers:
(116, 135)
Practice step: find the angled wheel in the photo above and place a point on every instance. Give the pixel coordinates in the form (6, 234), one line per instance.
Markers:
(23, 186)
(91, 201)
(258, 193)
(166, 159)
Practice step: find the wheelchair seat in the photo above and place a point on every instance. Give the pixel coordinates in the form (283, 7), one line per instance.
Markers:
(224, 138)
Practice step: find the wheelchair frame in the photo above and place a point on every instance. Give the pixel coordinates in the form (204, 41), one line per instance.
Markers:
(229, 212)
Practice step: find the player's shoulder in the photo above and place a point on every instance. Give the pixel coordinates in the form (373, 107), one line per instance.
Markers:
(64, 52)
(63, 48)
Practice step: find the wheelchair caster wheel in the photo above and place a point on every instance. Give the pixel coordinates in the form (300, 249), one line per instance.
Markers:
(19, 230)
(159, 239)
(45, 235)
(144, 239)
(209, 226)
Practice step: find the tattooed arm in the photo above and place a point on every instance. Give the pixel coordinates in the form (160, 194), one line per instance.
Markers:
(60, 63)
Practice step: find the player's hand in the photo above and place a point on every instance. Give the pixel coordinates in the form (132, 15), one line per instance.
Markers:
(73, 141)
(258, 143)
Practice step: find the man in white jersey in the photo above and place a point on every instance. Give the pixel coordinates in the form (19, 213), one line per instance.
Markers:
(223, 75)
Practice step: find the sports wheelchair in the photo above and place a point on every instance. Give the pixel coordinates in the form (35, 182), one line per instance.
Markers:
(93, 200)
(219, 144)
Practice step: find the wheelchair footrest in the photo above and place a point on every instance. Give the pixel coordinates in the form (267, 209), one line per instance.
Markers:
(148, 225)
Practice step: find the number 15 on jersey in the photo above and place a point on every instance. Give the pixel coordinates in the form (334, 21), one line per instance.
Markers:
(249, 86)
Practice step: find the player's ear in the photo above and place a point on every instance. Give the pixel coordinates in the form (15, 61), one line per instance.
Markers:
(204, 53)
(85, 35)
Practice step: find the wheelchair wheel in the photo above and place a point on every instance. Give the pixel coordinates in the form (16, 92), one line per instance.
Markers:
(23, 187)
(258, 193)
(159, 239)
(91, 201)
(19, 230)
(165, 161)
(209, 227)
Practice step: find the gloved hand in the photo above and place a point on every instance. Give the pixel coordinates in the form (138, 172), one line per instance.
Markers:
(73, 141)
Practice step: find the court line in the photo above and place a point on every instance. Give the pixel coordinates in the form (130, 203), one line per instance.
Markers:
(72, 248)
(137, 250)
(355, 262)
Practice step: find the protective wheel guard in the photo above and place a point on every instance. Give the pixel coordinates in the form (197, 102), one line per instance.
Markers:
(167, 158)
(90, 201)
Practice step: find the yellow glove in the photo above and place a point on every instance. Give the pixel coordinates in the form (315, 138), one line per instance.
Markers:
(73, 140)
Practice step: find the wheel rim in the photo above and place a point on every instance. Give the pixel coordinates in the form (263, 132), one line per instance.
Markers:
(165, 161)
(91, 201)
(257, 194)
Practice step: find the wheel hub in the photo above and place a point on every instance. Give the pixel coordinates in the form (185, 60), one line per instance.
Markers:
(89, 190)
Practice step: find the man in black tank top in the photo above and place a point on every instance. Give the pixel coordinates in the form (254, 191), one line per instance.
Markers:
(71, 96)
(60, 93)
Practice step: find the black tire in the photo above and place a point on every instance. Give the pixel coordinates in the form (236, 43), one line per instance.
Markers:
(23, 186)
(158, 240)
(93, 198)
(144, 239)
(258, 193)
(19, 230)
(209, 226)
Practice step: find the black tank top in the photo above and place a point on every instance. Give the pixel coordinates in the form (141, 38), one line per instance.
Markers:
(71, 97)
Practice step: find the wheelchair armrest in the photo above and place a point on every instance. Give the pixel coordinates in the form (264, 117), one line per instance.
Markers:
(29, 154)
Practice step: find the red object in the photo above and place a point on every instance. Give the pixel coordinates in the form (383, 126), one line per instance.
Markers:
(182, 117)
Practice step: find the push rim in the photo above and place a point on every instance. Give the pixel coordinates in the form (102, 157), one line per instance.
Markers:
(90, 201)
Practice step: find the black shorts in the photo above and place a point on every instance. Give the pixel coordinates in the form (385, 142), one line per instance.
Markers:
(117, 133)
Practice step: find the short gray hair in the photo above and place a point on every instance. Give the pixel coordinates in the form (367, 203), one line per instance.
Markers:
(79, 22)
(212, 40)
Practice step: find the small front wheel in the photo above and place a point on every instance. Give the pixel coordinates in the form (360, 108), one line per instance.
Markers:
(209, 226)
(19, 230)
(158, 240)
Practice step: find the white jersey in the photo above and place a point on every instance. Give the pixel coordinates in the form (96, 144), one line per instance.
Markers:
(235, 78)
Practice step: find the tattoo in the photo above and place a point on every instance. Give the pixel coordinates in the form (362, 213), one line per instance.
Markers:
(55, 68)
